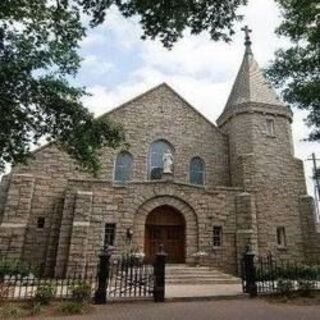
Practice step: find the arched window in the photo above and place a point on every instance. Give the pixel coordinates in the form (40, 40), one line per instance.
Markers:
(123, 167)
(157, 149)
(197, 171)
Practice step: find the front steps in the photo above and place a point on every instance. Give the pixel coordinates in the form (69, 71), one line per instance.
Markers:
(183, 274)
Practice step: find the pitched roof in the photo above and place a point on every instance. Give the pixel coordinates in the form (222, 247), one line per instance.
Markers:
(167, 87)
(251, 85)
(127, 103)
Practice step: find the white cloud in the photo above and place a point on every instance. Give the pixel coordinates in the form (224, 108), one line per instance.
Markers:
(93, 64)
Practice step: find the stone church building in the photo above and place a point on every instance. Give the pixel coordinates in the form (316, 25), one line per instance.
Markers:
(224, 186)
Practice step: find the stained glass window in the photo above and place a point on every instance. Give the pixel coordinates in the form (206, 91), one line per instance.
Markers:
(197, 171)
(123, 167)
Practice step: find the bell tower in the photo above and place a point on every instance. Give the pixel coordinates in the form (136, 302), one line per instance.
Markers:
(258, 126)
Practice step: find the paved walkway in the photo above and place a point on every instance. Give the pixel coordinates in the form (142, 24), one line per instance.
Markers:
(246, 309)
(194, 291)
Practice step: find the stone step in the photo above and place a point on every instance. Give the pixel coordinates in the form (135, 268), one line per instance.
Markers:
(191, 272)
(199, 276)
(202, 281)
(182, 274)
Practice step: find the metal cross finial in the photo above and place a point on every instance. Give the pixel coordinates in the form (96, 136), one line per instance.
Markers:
(247, 42)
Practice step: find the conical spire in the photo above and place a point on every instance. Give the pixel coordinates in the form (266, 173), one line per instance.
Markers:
(250, 85)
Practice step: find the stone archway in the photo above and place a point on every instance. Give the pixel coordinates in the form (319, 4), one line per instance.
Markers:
(190, 218)
(165, 226)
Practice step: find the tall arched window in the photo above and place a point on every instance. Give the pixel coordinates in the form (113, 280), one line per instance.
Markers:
(155, 163)
(197, 169)
(123, 167)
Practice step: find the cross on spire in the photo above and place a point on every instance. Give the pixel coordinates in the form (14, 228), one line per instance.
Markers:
(247, 41)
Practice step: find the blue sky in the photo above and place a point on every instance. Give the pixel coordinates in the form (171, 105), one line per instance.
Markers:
(118, 65)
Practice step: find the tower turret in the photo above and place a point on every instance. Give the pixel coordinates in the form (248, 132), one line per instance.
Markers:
(258, 126)
(254, 118)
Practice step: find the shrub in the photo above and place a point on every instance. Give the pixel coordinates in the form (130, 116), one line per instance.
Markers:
(306, 287)
(73, 307)
(285, 287)
(81, 292)
(44, 294)
(14, 268)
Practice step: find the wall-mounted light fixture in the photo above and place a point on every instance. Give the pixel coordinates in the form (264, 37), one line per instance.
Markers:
(129, 233)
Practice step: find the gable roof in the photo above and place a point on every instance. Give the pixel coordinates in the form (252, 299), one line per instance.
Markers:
(166, 86)
(127, 103)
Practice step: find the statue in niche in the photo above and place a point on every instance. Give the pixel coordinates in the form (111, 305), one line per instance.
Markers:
(167, 160)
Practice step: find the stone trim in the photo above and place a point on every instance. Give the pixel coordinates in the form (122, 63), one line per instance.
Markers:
(212, 190)
(81, 223)
(13, 225)
(236, 113)
(190, 216)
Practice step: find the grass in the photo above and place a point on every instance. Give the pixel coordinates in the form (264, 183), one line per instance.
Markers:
(20, 310)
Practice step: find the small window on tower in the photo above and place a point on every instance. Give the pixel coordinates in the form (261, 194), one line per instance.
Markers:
(281, 237)
(217, 236)
(109, 233)
(270, 127)
(40, 222)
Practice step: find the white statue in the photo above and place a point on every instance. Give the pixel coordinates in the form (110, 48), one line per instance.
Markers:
(167, 160)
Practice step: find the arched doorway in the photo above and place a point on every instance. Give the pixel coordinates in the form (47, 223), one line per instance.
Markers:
(165, 225)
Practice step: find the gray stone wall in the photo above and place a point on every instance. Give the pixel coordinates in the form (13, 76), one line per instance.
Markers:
(158, 114)
(265, 166)
(128, 207)
(253, 184)
(161, 114)
(310, 231)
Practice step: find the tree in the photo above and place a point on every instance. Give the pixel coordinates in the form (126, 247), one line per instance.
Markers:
(38, 50)
(39, 40)
(167, 19)
(296, 70)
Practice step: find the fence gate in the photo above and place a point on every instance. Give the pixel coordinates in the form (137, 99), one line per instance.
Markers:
(130, 277)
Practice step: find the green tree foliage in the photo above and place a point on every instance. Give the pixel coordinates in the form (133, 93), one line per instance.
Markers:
(167, 19)
(296, 69)
(39, 42)
(38, 50)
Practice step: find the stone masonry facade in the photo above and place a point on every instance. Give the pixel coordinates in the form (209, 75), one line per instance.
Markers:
(253, 185)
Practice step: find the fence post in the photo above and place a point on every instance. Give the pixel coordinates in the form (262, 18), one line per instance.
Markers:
(250, 272)
(100, 296)
(159, 274)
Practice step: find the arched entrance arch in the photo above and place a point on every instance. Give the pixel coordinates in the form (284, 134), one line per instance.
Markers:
(166, 226)
(185, 210)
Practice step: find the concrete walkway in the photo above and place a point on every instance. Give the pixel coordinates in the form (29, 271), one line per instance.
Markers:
(203, 290)
(246, 309)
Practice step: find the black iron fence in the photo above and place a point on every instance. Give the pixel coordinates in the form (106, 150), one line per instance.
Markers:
(270, 275)
(130, 277)
(20, 281)
(122, 277)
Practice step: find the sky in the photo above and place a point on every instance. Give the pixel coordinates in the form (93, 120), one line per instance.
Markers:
(118, 65)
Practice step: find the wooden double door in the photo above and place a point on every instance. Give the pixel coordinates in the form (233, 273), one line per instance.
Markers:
(165, 226)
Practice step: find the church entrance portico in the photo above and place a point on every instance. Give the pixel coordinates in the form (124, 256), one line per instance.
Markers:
(165, 226)
(170, 221)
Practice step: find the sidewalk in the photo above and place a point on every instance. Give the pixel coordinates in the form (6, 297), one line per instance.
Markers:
(246, 309)
(178, 292)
